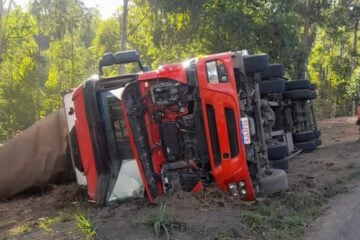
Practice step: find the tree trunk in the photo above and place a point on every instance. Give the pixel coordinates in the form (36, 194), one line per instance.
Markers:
(123, 33)
(1, 28)
(305, 39)
(3, 25)
(356, 27)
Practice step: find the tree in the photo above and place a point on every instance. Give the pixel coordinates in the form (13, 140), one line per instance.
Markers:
(123, 32)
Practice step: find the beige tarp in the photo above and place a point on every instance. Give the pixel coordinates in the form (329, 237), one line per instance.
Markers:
(35, 157)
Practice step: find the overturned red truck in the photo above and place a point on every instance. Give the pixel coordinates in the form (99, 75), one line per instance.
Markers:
(185, 126)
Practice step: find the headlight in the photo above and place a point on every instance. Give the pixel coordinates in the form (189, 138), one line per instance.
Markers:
(243, 192)
(233, 190)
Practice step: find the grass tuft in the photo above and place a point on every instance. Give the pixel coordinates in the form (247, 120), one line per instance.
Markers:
(282, 217)
(162, 222)
(230, 234)
(19, 230)
(45, 223)
(84, 226)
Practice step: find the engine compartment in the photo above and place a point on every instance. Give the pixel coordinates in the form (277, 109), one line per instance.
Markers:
(165, 120)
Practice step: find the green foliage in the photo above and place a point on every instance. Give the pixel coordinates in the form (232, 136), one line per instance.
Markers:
(84, 226)
(54, 45)
(19, 230)
(45, 223)
(334, 59)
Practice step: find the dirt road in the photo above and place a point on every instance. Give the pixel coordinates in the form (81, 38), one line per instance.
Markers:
(314, 177)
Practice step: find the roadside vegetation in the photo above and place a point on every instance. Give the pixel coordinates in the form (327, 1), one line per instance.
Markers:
(284, 216)
(75, 225)
(51, 46)
(209, 214)
(162, 222)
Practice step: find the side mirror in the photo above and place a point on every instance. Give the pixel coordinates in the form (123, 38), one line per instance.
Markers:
(107, 60)
(124, 57)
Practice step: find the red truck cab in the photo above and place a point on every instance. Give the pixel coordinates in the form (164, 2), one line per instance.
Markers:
(181, 122)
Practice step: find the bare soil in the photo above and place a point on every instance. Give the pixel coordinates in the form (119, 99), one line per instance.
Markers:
(314, 178)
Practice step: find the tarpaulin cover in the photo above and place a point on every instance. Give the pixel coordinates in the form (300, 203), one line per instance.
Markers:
(35, 157)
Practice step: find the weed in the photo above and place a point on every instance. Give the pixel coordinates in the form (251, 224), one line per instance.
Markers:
(230, 234)
(335, 187)
(282, 217)
(162, 222)
(19, 230)
(46, 222)
(84, 225)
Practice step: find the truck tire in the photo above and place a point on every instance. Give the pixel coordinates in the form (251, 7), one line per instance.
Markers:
(301, 94)
(318, 141)
(282, 163)
(277, 151)
(312, 86)
(305, 136)
(297, 84)
(274, 71)
(256, 63)
(306, 146)
(275, 181)
(276, 85)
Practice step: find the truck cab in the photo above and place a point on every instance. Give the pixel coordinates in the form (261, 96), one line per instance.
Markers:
(185, 126)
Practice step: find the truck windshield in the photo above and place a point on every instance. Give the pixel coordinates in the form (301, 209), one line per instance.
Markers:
(117, 139)
(125, 177)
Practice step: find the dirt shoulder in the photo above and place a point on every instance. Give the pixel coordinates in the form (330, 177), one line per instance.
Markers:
(314, 179)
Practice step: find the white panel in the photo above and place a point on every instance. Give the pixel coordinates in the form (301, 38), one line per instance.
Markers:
(70, 118)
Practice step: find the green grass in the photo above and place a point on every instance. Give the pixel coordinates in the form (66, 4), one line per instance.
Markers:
(45, 223)
(230, 234)
(281, 218)
(84, 226)
(162, 222)
(285, 216)
(19, 230)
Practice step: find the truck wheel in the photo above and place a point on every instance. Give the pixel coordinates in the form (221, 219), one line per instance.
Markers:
(318, 141)
(306, 146)
(312, 86)
(301, 94)
(282, 163)
(277, 151)
(274, 181)
(274, 71)
(304, 136)
(256, 63)
(276, 85)
(297, 84)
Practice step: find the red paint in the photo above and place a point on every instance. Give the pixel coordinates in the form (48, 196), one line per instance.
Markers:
(221, 95)
(198, 187)
(84, 142)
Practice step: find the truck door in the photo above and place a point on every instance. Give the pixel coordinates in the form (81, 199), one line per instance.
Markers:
(220, 107)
